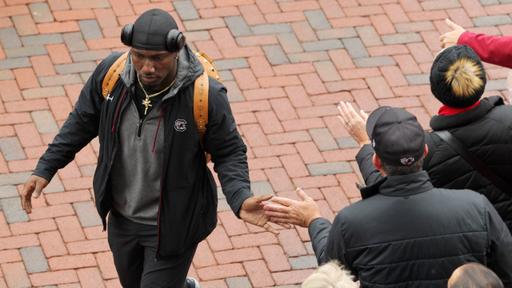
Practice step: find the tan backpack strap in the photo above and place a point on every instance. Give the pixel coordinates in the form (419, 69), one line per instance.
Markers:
(113, 75)
(208, 65)
(201, 95)
(201, 86)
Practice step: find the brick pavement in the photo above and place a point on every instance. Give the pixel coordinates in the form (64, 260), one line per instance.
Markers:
(286, 64)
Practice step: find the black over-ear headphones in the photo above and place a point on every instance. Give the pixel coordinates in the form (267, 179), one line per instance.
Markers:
(175, 40)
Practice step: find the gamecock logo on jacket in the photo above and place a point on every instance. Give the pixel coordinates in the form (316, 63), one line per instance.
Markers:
(180, 125)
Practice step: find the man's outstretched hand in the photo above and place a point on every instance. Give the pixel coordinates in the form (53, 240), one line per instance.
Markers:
(252, 212)
(300, 213)
(34, 185)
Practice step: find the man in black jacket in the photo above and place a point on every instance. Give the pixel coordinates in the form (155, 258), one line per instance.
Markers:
(151, 174)
(404, 232)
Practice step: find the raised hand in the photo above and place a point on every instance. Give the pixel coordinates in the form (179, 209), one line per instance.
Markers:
(354, 123)
(451, 38)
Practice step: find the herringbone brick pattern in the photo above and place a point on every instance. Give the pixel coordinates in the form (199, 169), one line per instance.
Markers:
(286, 65)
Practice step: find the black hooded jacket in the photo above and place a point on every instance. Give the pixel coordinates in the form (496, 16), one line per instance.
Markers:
(406, 233)
(486, 131)
(188, 196)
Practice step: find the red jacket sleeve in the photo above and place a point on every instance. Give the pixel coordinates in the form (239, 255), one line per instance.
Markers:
(490, 49)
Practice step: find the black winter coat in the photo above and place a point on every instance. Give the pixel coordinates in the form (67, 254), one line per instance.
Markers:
(406, 233)
(486, 131)
(188, 197)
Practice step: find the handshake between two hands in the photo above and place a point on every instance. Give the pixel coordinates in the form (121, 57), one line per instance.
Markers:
(261, 210)
(287, 211)
(284, 211)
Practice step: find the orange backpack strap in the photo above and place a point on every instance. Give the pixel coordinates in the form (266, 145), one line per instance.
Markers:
(201, 87)
(208, 65)
(113, 75)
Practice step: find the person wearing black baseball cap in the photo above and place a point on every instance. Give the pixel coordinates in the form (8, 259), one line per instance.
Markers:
(403, 230)
(397, 139)
(151, 177)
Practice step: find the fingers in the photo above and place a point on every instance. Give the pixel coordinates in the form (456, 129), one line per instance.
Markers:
(282, 217)
(364, 115)
(449, 22)
(303, 196)
(441, 39)
(262, 198)
(452, 25)
(356, 116)
(344, 115)
(284, 225)
(26, 203)
(274, 213)
(285, 221)
(347, 113)
(276, 208)
(39, 188)
(351, 111)
(270, 229)
(282, 201)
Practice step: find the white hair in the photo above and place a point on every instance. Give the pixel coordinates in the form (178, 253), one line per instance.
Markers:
(330, 275)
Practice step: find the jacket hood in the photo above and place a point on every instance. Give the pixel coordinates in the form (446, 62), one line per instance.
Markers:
(189, 68)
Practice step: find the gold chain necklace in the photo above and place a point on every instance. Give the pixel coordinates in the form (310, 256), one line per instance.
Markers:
(147, 102)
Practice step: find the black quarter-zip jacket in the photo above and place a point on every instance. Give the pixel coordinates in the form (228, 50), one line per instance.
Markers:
(188, 196)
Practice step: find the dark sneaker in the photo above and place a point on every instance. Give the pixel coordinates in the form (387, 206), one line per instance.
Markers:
(192, 283)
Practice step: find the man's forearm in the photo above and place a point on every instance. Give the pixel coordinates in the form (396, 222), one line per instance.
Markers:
(364, 160)
(318, 232)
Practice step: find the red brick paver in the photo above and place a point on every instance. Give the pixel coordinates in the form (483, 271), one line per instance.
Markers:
(287, 66)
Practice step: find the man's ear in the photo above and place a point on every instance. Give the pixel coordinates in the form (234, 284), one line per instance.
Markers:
(426, 151)
(376, 162)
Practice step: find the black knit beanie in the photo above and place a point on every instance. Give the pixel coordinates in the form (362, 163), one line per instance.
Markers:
(457, 77)
(150, 30)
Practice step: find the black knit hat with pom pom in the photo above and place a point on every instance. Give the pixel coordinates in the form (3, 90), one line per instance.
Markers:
(457, 77)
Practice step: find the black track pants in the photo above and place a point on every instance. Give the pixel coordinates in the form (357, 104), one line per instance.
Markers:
(134, 248)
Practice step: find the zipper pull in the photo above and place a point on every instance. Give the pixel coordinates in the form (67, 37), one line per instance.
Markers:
(139, 128)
